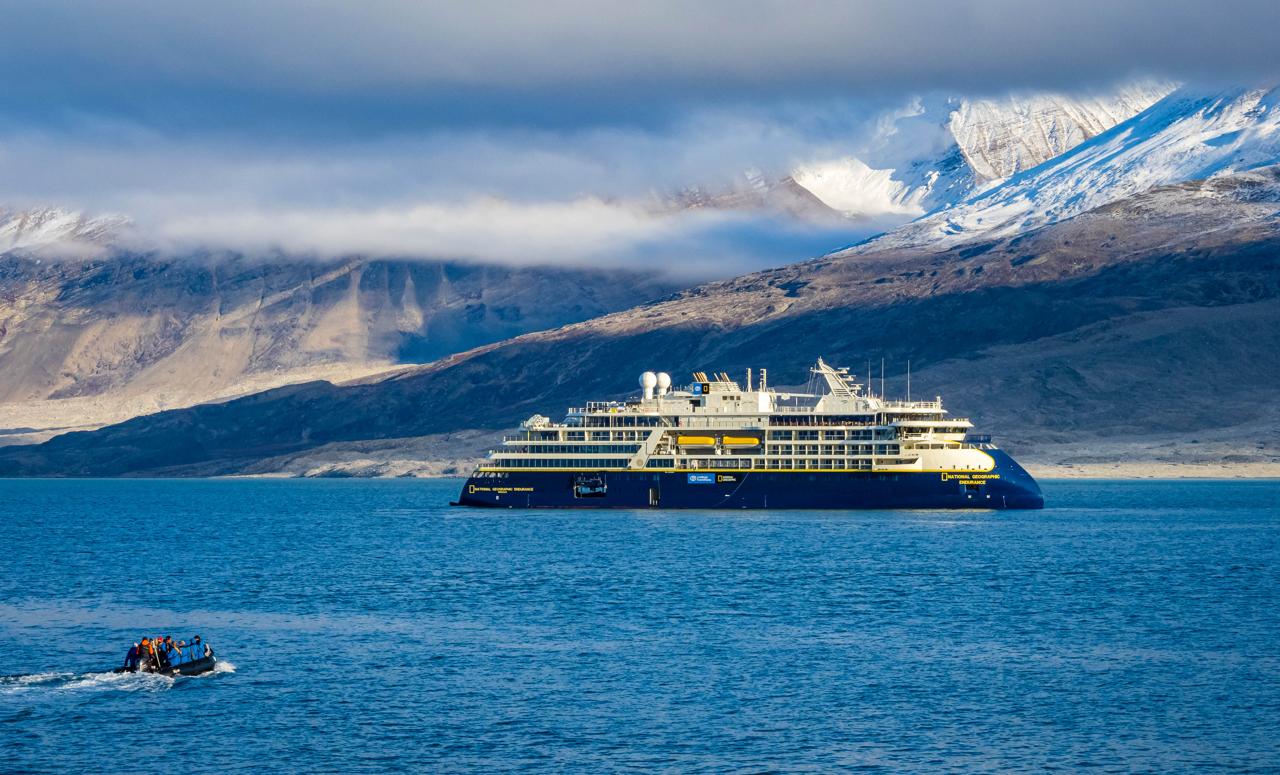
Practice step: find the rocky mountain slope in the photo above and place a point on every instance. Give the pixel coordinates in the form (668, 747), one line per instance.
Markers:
(87, 342)
(1188, 135)
(1152, 321)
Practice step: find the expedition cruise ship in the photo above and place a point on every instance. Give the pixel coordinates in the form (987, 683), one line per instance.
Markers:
(714, 444)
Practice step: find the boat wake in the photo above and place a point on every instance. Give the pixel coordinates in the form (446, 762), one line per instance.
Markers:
(125, 682)
(111, 681)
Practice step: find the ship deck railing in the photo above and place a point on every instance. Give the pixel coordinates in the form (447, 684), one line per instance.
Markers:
(707, 422)
(605, 407)
(618, 407)
(927, 435)
(932, 406)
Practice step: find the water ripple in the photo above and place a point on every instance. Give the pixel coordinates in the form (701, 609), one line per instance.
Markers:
(368, 627)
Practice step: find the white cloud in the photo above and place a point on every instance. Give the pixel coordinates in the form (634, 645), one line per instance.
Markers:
(697, 244)
(574, 232)
(593, 195)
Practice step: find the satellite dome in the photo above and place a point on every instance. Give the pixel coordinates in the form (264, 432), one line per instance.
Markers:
(664, 380)
(647, 381)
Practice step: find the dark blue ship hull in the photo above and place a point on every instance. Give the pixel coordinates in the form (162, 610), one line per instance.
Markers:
(1007, 486)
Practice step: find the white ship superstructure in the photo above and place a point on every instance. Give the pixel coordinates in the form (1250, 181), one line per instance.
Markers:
(716, 424)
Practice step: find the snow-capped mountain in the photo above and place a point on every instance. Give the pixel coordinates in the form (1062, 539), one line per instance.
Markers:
(52, 228)
(940, 150)
(1186, 136)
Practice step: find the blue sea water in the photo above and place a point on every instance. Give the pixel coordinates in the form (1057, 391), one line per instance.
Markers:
(367, 626)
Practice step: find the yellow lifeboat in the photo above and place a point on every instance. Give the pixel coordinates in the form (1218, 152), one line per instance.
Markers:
(741, 441)
(696, 441)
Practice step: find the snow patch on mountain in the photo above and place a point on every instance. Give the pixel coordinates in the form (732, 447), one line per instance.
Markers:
(937, 151)
(850, 186)
(52, 229)
(1186, 136)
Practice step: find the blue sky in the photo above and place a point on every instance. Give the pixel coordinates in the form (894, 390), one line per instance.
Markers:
(374, 126)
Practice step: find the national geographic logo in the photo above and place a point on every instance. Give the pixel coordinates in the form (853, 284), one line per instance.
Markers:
(966, 477)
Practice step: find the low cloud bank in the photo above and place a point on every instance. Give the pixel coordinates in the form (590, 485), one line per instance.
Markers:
(696, 245)
(590, 196)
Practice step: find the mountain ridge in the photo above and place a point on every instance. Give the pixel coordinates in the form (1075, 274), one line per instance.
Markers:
(1140, 281)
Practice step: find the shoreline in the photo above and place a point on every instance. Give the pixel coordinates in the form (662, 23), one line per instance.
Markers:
(1139, 471)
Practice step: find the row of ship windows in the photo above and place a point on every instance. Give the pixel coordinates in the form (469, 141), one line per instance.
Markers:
(781, 449)
(651, 421)
(777, 464)
(867, 434)
(788, 435)
(586, 436)
(572, 449)
(809, 464)
(834, 449)
(810, 450)
(621, 421)
(835, 419)
(551, 462)
(886, 433)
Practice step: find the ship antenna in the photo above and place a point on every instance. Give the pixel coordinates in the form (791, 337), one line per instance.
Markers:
(908, 379)
(869, 377)
(882, 378)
